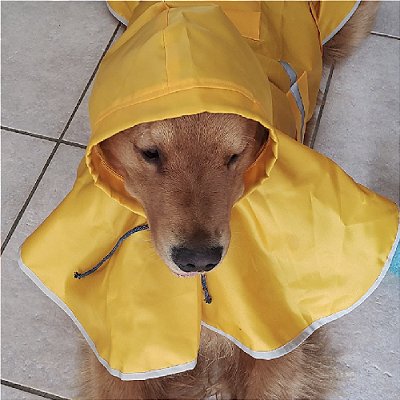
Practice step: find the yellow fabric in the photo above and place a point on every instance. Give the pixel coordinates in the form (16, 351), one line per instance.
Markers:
(329, 19)
(307, 241)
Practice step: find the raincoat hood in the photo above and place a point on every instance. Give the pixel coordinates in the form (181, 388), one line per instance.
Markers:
(308, 243)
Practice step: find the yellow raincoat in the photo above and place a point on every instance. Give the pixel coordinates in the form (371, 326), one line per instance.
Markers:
(308, 243)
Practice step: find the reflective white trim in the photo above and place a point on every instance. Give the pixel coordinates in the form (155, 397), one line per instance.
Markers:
(343, 23)
(299, 102)
(155, 373)
(117, 16)
(265, 355)
(290, 71)
(297, 341)
(294, 89)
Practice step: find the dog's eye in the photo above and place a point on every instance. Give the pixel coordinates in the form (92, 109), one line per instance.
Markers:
(151, 155)
(233, 159)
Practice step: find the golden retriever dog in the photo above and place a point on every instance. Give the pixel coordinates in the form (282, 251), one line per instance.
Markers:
(193, 175)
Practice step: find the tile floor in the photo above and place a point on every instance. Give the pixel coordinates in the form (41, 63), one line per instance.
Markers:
(49, 56)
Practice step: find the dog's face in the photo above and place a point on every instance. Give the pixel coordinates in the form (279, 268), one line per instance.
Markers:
(187, 172)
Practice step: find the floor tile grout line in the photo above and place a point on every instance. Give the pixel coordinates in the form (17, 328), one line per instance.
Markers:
(44, 137)
(387, 35)
(26, 133)
(321, 108)
(89, 82)
(59, 141)
(73, 144)
(28, 389)
(28, 199)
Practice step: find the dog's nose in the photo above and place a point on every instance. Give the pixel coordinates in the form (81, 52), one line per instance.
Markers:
(196, 260)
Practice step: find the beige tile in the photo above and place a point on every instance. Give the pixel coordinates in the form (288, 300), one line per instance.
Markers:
(40, 343)
(360, 124)
(367, 341)
(8, 393)
(388, 18)
(49, 51)
(22, 159)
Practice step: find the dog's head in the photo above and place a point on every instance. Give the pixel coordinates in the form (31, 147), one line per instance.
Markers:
(187, 172)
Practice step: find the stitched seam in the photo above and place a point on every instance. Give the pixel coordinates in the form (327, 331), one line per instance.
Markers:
(206, 83)
(105, 164)
(165, 47)
(130, 104)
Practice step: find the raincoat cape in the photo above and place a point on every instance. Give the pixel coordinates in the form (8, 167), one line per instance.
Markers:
(308, 243)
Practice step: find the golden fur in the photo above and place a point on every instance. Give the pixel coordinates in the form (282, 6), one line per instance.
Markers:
(346, 41)
(194, 180)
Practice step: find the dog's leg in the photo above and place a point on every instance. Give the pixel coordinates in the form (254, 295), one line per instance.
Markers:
(352, 33)
(305, 373)
(216, 367)
(216, 371)
(98, 384)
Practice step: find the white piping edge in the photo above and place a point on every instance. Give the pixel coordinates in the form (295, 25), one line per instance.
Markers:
(298, 340)
(265, 355)
(343, 23)
(289, 71)
(117, 16)
(294, 89)
(299, 102)
(156, 373)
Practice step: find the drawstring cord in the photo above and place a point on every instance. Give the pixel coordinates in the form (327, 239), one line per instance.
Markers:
(207, 296)
(79, 275)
